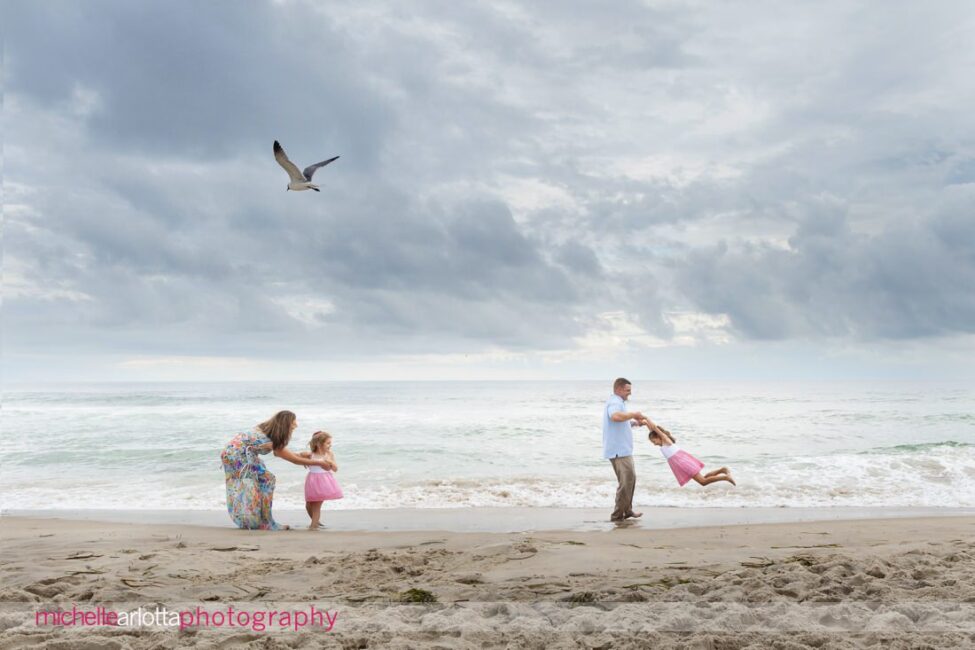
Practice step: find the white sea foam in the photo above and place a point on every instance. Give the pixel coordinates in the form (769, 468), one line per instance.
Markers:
(945, 477)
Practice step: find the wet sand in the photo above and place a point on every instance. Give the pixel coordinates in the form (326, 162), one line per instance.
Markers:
(502, 520)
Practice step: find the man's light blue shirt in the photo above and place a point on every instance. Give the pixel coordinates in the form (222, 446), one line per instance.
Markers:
(617, 436)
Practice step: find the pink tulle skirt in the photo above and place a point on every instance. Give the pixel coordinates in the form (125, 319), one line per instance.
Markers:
(684, 466)
(322, 486)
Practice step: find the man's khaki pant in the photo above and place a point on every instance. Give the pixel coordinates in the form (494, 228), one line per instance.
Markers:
(626, 475)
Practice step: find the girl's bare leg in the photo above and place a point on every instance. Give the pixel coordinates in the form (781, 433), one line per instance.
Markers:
(707, 480)
(316, 512)
(308, 508)
(720, 470)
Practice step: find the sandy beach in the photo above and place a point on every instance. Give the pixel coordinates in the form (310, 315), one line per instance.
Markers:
(901, 583)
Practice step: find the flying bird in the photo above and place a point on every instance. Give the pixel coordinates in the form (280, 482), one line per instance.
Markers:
(299, 180)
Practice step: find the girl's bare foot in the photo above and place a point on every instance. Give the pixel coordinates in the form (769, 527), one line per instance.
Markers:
(730, 480)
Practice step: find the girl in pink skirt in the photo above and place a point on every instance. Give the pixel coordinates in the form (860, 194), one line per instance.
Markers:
(684, 466)
(320, 484)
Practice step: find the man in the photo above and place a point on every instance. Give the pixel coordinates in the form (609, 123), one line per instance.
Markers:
(618, 446)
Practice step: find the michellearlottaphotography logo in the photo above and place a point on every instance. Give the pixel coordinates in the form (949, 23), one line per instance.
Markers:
(256, 620)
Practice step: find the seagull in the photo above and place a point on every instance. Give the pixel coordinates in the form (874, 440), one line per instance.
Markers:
(299, 180)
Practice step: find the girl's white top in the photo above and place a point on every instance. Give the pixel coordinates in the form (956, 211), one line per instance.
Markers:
(316, 469)
(669, 450)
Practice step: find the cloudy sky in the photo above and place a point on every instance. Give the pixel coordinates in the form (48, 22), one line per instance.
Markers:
(663, 190)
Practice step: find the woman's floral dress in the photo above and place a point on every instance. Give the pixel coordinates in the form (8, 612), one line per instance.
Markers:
(250, 486)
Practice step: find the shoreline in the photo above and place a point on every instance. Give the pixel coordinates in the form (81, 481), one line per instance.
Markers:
(500, 520)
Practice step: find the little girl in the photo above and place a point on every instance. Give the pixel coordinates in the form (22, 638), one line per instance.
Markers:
(320, 484)
(684, 466)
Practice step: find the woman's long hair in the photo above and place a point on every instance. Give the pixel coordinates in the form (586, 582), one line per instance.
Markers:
(278, 429)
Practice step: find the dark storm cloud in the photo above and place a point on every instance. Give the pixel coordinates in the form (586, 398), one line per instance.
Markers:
(463, 271)
(578, 258)
(910, 280)
(195, 80)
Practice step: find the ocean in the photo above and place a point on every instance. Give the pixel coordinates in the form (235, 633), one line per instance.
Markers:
(156, 446)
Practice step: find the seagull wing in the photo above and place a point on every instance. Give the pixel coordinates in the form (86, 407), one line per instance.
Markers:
(289, 166)
(310, 169)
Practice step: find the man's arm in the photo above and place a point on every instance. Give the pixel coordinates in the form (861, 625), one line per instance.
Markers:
(623, 416)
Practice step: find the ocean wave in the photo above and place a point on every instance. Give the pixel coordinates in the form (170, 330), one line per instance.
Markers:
(146, 399)
(944, 477)
(920, 447)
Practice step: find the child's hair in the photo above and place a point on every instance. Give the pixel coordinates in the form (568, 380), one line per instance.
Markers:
(318, 439)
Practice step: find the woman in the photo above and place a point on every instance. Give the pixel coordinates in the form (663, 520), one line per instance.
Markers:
(250, 487)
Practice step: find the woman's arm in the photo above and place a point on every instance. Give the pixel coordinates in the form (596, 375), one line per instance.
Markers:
(292, 457)
(304, 454)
